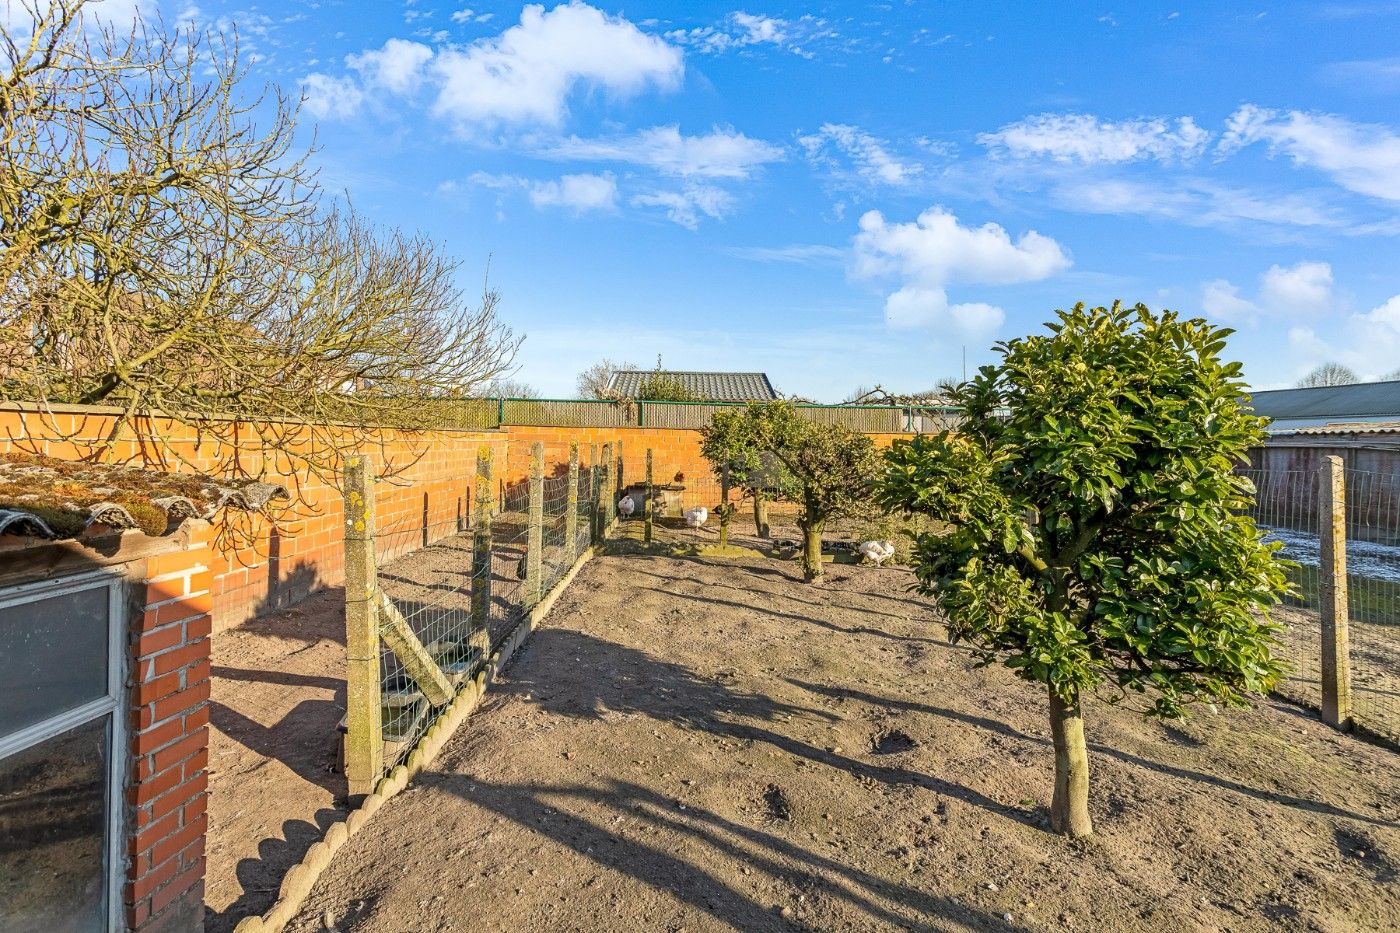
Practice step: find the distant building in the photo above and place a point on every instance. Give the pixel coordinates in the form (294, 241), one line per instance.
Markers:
(1359, 404)
(705, 386)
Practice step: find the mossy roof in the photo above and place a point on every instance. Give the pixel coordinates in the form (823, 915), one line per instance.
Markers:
(49, 498)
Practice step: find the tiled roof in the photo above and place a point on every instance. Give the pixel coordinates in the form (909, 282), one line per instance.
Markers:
(48, 498)
(709, 387)
(1364, 400)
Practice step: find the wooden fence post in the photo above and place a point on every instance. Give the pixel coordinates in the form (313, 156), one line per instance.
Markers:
(364, 739)
(604, 474)
(593, 494)
(649, 507)
(481, 558)
(534, 537)
(571, 517)
(616, 490)
(724, 506)
(1336, 641)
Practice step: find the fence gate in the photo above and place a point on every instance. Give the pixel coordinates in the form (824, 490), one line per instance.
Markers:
(61, 753)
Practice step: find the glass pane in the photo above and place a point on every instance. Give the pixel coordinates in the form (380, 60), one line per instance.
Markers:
(53, 834)
(55, 652)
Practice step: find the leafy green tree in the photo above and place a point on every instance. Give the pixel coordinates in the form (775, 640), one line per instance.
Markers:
(825, 468)
(1099, 540)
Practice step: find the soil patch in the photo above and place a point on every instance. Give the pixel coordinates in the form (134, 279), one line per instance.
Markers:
(696, 745)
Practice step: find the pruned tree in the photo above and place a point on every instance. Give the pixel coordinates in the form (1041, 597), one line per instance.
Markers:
(1100, 536)
(164, 250)
(1329, 374)
(825, 468)
(664, 387)
(596, 380)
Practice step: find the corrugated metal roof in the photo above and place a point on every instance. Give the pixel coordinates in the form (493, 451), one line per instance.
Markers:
(1363, 400)
(44, 497)
(1344, 427)
(706, 386)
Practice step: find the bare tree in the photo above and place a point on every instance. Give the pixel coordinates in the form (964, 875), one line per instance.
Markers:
(1329, 374)
(502, 387)
(596, 380)
(163, 252)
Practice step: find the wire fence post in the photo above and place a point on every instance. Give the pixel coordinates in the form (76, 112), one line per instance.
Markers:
(1336, 642)
(724, 506)
(616, 485)
(364, 739)
(648, 507)
(534, 539)
(593, 494)
(571, 516)
(483, 502)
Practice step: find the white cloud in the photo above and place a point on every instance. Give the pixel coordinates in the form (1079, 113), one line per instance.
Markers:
(325, 96)
(1082, 138)
(527, 73)
(1221, 301)
(1369, 342)
(802, 254)
(741, 30)
(1304, 288)
(1195, 202)
(721, 153)
(867, 154)
(397, 67)
(686, 206)
(937, 251)
(578, 193)
(1361, 157)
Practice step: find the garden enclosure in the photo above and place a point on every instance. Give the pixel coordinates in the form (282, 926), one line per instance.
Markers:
(414, 641)
(1341, 627)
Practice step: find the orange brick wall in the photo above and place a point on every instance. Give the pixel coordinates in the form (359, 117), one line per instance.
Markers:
(275, 564)
(168, 776)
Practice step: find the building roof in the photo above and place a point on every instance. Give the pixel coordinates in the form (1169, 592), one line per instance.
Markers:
(1364, 401)
(709, 387)
(44, 497)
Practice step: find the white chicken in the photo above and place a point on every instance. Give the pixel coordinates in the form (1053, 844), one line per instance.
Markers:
(626, 506)
(697, 516)
(876, 551)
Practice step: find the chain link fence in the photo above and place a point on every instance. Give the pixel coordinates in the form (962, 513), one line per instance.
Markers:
(1289, 508)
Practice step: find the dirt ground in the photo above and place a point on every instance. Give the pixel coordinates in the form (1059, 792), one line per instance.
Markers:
(700, 745)
(277, 697)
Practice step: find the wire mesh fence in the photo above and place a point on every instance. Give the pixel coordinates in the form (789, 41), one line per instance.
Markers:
(438, 613)
(1288, 507)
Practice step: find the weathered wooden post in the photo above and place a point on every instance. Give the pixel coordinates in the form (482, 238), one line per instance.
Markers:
(649, 507)
(480, 637)
(604, 481)
(364, 739)
(724, 508)
(616, 491)
(534, 535)
(1336, 641)
(593, 494)
(571, 517)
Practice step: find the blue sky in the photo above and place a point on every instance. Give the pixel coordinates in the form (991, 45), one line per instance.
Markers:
(849, 193)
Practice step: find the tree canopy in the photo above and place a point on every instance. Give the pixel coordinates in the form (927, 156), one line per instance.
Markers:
(1098, 535)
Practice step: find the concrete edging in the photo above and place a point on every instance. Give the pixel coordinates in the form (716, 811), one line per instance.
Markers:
(300, 878)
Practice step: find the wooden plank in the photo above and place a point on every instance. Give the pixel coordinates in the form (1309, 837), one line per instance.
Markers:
(416, 661)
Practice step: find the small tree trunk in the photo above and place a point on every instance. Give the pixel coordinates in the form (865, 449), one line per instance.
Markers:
(812, 551)
(760, 514)
(1069, 811)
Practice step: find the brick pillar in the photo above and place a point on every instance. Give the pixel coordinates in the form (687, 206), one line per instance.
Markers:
(169, 742)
